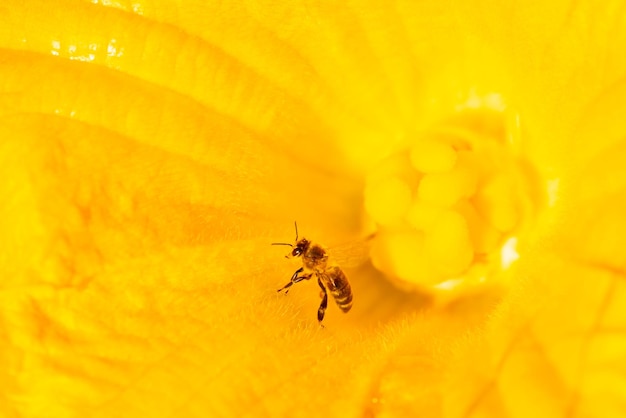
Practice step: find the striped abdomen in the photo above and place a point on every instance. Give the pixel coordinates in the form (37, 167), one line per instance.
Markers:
(337, 284)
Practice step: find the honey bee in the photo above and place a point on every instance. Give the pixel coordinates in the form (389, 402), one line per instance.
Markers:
(329, 278)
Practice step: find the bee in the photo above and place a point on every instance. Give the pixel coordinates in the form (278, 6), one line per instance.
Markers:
(330, 278)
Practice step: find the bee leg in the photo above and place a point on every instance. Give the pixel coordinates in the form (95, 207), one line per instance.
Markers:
(285, 287)
(295, 279)
(295, 275)
(322, 309)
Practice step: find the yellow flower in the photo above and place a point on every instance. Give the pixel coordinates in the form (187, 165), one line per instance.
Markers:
(151, 152)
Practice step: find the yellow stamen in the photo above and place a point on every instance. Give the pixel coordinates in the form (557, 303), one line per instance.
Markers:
(447, 206)
(432, 156)
(496, 202)
(448, 244)
(420, 215)
(445, 189)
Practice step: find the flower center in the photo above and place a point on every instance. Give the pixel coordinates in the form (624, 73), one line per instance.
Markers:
(448, 208)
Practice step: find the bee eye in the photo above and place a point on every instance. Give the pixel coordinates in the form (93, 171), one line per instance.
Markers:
(296, 252)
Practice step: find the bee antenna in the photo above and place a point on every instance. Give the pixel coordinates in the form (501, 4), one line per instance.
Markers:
(281, 243)
(296, 224)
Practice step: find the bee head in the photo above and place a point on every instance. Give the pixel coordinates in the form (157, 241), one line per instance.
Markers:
(300, 248)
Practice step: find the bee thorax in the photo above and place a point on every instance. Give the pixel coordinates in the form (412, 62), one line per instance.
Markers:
(315, 258)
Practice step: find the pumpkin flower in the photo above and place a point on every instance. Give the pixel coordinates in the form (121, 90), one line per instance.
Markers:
(462, 162)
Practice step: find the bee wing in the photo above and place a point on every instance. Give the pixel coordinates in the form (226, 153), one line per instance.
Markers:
(351, 254)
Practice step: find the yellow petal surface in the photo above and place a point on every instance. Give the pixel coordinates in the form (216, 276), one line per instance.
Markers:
(150, 152)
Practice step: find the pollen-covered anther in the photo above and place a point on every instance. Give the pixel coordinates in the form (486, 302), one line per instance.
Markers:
(445, 206)
(446, 189)
(432, 156)
(447, 243)
(496, 202)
